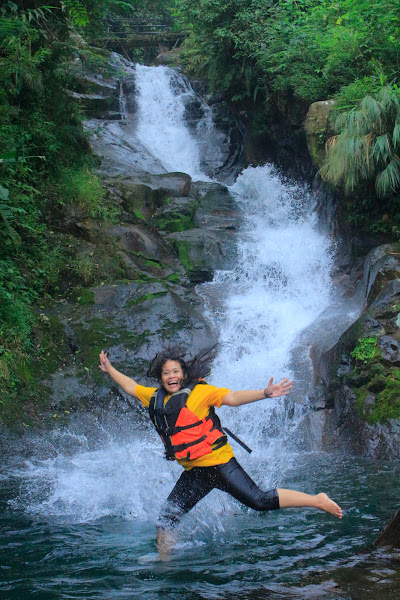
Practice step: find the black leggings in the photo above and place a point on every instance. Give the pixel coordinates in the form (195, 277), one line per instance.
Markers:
(195, 484)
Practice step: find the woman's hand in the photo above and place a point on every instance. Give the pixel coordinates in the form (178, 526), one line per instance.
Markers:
(274, 390)
(105, 364)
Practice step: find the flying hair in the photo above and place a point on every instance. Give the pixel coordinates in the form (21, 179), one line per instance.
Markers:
(193, 368)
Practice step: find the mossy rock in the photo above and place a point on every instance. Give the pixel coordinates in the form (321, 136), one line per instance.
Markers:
(319, 128)
(218, 210)
(176, 215)
(386, 399)
(201, 252)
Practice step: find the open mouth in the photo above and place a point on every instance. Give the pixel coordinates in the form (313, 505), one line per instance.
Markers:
(173, 384)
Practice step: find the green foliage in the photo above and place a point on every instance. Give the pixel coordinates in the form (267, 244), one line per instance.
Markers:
(83, 189)
(309, 49)
(84, 269)
(365, 349)
(43, 148)
(274, 58)
(368, 143)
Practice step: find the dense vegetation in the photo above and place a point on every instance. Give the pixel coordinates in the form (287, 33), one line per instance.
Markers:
(275, 58)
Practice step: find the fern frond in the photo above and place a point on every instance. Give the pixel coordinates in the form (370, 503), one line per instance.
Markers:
(388, 180)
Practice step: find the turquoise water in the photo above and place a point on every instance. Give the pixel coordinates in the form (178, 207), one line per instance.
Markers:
(233, 553)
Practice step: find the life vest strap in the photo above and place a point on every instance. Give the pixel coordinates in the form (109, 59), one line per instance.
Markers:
(182, 447)
(174, 430)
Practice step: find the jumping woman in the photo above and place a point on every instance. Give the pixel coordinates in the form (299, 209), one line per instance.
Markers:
(182, 409)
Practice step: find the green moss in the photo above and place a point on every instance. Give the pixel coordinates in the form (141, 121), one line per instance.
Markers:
(182, 250)
(388, 401)
(173, 278)
(361, 395)
(377, 384)
(86, 297)
(174, 222)
(141, 299)
(377, 369)
(138, 215)
(97, 335)
(170, 328)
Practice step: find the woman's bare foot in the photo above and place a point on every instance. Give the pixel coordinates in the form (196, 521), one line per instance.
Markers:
(328, 505)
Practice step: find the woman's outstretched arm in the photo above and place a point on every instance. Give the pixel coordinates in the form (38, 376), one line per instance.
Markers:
(127, 384)
(273, 390)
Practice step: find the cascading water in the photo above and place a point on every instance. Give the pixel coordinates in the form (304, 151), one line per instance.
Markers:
(162, 100)
(280, 285)
(88, 510)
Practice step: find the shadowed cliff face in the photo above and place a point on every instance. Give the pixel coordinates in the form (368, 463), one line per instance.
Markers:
(360, 374)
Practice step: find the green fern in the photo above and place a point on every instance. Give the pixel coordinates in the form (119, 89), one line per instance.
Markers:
(367, 145)
(76, 11)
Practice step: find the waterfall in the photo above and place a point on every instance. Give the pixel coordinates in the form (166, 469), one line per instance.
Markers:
(163, 97)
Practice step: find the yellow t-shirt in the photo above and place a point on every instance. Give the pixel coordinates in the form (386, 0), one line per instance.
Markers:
(199, 402)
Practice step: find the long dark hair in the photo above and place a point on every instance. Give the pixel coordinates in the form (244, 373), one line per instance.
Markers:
(193, 369)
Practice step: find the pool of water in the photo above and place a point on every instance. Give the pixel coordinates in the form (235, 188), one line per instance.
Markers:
(222, 549)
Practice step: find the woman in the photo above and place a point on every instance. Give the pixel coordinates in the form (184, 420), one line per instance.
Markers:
(182, 410)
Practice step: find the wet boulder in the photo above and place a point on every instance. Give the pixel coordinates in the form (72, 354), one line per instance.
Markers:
(142, 250)
(390, 536)
(202, 252)
(218, 210)
(131, 322)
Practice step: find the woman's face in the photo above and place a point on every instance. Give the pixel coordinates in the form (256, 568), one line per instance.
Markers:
(172, 376)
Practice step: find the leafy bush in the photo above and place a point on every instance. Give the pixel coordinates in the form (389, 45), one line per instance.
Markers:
(365, 349)
(368, 143)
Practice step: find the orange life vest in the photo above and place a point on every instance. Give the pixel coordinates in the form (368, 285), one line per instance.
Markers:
(184, 435)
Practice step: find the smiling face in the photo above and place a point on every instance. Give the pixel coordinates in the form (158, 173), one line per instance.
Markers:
(172, 376)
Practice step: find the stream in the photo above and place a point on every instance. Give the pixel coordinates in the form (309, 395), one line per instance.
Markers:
(79, 504)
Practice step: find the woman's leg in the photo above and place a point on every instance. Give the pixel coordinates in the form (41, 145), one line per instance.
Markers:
(190, 488)
(293, 499)
(234, 480)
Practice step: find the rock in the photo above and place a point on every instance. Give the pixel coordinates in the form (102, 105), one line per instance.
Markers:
(202, 252)
(319, 128)
(142, 247)
(98, 106)
(381, 266)
(311, 430)
(365, 388)
(176, 215)
(131, 322)
(390, 350)
(218, 210)
(173, 184)
(119, 150)
(390, 535)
